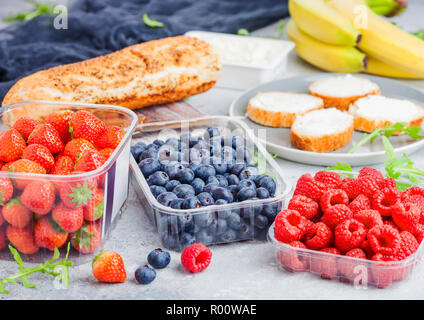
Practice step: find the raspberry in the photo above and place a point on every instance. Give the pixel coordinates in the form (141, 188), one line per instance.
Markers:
(391, 223)
(367, 249)
(384, 200)
(307, 186)
(290, 226)
(360, 203)
(367, 186)
(408, 245)
(305, 206)
(347, 267)
(384, 240)
(349, 186)
(332, 197)
(349, 235)
(382, 275)
(373, 173)
(326, 265)
(196, 257)
(318, 236)
(331, 180)
(369, 218)
(412, 192)
(336, 215)
(419, 234)
(406, 216)
(389, 183)
(290, 259)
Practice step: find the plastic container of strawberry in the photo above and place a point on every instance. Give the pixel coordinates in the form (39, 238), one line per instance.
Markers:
(354, 271)
(175, 235)
(107, 189)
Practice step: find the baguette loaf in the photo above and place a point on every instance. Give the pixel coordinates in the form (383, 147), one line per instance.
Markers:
(145, 74)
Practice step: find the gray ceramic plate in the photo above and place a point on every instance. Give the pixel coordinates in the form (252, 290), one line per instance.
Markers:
(277, 140)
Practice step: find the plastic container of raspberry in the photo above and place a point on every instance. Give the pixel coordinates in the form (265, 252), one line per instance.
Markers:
(175, 236)
(109, 187)
(354, 271)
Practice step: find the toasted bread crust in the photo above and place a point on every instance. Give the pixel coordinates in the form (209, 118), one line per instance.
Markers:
(367, 125)
(274, 119)
(324, 143)
(341, 103)
(145, 74)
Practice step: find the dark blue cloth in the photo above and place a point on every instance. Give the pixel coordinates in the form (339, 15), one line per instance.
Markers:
(97, 27)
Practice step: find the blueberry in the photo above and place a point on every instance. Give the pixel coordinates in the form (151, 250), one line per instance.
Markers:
(145, 274)
(221, 202)
(237, 168)
(261, 222)
(184, 191)
(247, 183)
(233, 179)
(201, 145)
(262, 193)
(186, 240)
(191, 203)
(222, 193)
(198, 185)
(215, 142)
(204, 171)
(244, 154)
(170, 241)
(176, 203)
(158, 142)
(185, 176)
(166, 197)
(227, 141)
(233, 189)
(228, 155)
(194, 156)
(245, 231)
(218, 227)
(234, 220)
(193, 166)
(148, 153)
(167, 152)
(171, 184)
(159, 258)
(223, 182)
(210, 187)
(211, 132)
(158, 178)
(222, 213)
(174, 142)
(137, 149)
(212, 179)
(228, 236)
(149, 166)
(186, 222)
(152, 146)
(205, 156)
(157, 190)
(252, 210)
(237, 142)
(219, 165)
(271, 210)
(246, 193)
(268, 183)
(168, 224)
(204, 237)
(248, 172)
(204, 219)
(173, 168)
(205, 199)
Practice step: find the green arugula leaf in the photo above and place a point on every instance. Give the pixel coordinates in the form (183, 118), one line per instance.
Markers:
(40, 8)
(419, 34)
(152, 22)
(341, 166)
(243, 32)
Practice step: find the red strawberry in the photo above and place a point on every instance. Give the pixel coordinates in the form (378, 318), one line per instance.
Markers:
(87, 239)
(39, 197)
(107, 152)
(109, 267)
(63, 166)
(60, 120)
(16, 214)
(26, 166)
(39, 154)
(75, 194)
(46, 135)
(68, 219)
(90, 160)
(6, 190)
(110, 138)
(25, 126)
(12, 145)
(94, 208)
(22, 239)
(76, 147)
(48, 234)
(85, 125)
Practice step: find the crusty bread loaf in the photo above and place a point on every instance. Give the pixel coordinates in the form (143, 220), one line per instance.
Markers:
(279, 109)
(374, 112)
(145, 74)
(322, 130)
(341, 91)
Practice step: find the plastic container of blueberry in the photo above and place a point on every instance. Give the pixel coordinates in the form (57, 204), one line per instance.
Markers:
(354, 271)
(210, 212)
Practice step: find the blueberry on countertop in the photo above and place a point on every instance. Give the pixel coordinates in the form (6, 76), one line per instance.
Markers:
(149, 166)
(145, 274)
(166, 197)
(184, 191)
(159, 258)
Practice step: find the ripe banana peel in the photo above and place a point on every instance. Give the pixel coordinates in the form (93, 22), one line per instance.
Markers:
(380, 68)
(320, 21)
(381, 39)
(332, 58)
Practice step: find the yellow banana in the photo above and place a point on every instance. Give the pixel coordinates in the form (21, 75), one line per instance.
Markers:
(319, 20)
(381, 39)
(325, 56)
(381, 68)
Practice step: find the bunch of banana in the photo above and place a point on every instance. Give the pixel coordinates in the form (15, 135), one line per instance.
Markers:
(347, 36)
